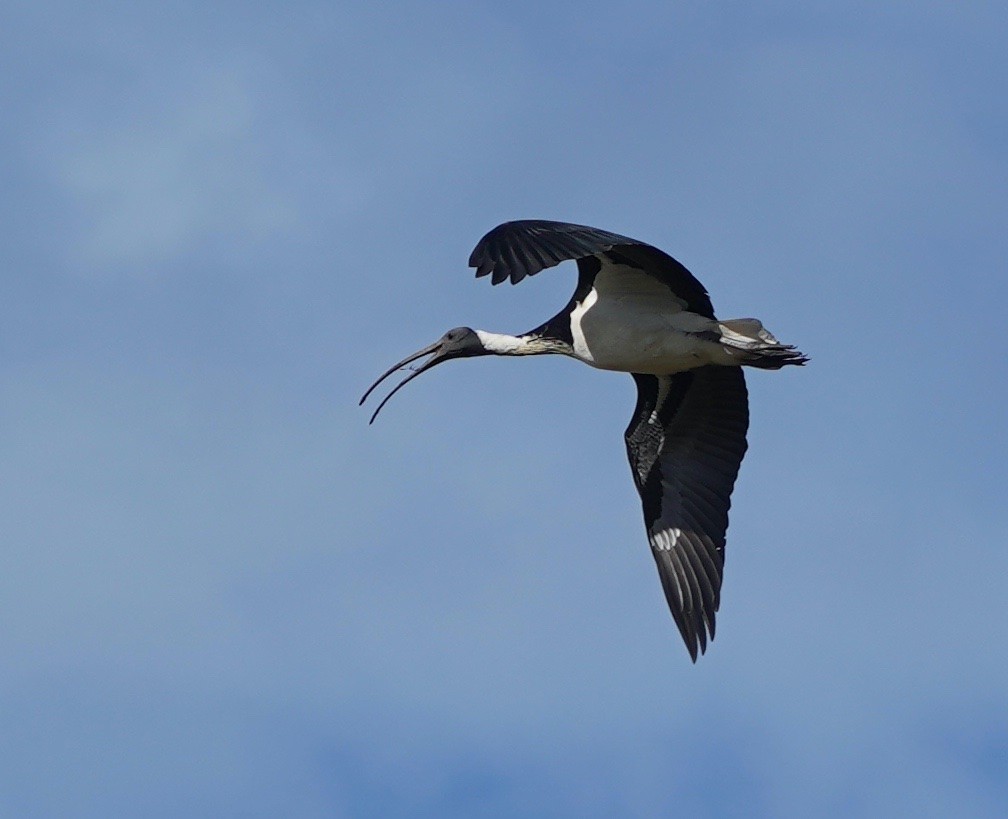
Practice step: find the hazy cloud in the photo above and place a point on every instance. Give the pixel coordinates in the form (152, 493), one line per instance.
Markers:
(225, 593)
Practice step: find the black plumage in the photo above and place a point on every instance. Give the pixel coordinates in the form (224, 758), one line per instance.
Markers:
(522, 248)
(635, 306)
(685, 443)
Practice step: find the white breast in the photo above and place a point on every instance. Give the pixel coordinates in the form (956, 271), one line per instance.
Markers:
(631, 322)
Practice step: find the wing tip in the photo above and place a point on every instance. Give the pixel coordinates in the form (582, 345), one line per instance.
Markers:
(697, 637)
(521, 248)
(696, 627)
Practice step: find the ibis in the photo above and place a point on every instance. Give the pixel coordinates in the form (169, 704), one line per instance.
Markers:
(637, 310)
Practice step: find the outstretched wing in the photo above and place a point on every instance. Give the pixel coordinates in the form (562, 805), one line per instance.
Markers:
(685, 443)
(515, 250)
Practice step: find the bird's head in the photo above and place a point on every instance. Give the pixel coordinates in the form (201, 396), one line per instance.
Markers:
(460, 342)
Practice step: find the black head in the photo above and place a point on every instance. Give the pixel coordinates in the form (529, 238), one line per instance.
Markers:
(459, 342)
(462, 342)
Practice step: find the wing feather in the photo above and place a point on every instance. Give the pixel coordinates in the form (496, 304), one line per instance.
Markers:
(515, 250)
(685, 444)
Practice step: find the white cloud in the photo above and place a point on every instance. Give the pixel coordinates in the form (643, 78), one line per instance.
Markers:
(189, 508)
(174, 169)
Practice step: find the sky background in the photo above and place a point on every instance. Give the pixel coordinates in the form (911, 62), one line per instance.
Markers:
(223, 594)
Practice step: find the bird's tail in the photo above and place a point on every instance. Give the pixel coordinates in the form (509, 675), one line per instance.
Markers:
(753, 345)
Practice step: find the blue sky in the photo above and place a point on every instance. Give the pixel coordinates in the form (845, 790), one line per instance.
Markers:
(224, 594)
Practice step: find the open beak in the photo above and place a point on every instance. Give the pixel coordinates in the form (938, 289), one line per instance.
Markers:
(437, 356)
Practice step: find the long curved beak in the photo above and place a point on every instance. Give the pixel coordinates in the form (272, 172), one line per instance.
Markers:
(433, 350)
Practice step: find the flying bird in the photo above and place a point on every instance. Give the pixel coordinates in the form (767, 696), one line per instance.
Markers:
(638, 310)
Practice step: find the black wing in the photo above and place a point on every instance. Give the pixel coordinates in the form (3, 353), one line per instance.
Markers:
(685, 443)
(515, 250)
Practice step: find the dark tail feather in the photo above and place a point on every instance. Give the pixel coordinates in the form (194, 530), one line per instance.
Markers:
(775, 357)
(755, 346)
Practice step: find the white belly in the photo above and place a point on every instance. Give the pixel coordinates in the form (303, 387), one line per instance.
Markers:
(642, 335)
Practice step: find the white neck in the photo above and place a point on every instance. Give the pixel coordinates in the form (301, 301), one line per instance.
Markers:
(503, 344)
